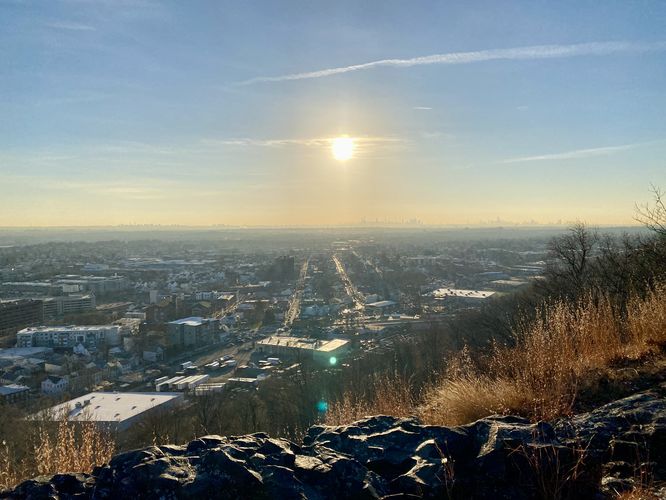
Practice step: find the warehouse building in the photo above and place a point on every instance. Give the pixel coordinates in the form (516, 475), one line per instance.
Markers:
(112, 410)
(325, 351)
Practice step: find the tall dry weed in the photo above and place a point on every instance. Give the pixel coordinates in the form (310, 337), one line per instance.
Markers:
(70, 447)
(539, 375)
(390, 395)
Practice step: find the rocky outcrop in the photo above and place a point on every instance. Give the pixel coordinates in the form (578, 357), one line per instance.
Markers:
(589, 456)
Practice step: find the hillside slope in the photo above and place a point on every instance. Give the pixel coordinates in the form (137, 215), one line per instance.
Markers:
(599, 454)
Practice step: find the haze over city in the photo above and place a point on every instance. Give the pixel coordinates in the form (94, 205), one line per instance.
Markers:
(287, 114)
(324, 250)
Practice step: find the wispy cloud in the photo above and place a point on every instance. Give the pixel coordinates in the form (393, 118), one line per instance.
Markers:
(422, 108)
(573, 155)
(264, 143)
(70, 26)
(517, 53)
(305, 142)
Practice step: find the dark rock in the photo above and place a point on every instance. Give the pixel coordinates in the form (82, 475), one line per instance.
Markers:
(601, 452)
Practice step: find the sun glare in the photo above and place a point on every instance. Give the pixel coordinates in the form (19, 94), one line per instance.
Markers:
(342, 148)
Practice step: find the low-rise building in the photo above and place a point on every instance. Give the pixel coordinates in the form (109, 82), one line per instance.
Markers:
(11, 393)
(112, 410)
(69, 336)
(381, 307)
(462, 297)
(326, 351)
(53, 385)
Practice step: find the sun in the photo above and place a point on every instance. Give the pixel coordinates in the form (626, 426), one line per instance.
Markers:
(342, 148)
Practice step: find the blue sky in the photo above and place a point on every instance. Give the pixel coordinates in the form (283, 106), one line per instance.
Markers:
(139, 111)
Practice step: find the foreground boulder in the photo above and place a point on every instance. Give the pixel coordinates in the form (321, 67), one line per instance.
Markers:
(593, 455)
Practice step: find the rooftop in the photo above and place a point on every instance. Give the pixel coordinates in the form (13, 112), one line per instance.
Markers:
(6, 390)
(70, 328)
(191, 321)
(454, 292)
(381, 303)
(109, 406)
(24, 352)
(304, 343)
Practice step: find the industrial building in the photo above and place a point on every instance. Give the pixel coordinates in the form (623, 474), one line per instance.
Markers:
(326, 351)
(69, 336)
(462, 297)
(181, 383)
(381, 307)
(117, 411)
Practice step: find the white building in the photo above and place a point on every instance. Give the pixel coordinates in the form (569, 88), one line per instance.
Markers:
(462, 296)
(53, 385)
(328, 351)
(68, 336)
(99, 285)
(115, 410)
(381, 307)
(68, 304)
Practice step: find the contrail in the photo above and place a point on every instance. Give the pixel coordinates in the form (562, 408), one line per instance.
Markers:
(517, 53)
(571, 155)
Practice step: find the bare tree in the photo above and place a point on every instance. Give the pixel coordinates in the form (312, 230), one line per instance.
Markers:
(653, 216)
(572, 254)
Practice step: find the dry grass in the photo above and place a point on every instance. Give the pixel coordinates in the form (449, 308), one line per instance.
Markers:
(70, 447)
(537, 377)
(639, 493)
(390, 395)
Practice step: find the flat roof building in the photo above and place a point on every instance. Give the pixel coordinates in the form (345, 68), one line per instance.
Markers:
(471, 295)
(68, 304)
(194, 330)
(68, 336)
(13, 392)
(382, 306)
(327, 351)
(116, 410)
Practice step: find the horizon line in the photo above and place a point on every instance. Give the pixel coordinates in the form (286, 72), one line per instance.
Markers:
(319, 226)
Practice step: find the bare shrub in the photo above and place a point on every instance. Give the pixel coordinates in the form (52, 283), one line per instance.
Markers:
(390, 395)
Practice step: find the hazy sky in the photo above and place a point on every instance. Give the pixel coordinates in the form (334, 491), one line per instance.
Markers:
(139, 111)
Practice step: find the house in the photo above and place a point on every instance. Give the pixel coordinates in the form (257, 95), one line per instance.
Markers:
(53, 385)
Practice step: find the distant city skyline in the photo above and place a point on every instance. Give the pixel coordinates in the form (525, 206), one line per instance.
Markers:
(284, 114)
